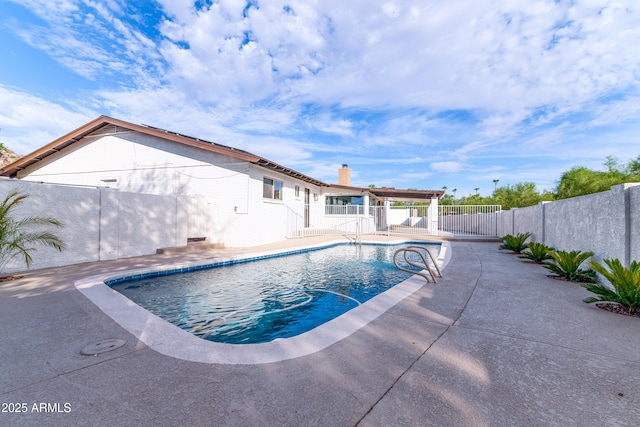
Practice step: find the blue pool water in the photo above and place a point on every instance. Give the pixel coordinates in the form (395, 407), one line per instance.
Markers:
(279, 297)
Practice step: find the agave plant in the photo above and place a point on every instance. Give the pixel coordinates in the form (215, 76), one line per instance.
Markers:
(537, 252)
(515, 243)
(625, 282)
(567, 265)
(18, 237)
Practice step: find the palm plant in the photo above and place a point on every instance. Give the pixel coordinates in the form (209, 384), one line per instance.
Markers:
(19, 237)
(567, 265)
(537, 252)
(625, 282)
(515, 243)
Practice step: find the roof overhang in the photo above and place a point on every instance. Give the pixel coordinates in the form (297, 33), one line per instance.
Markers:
(392, 193)
(11, 170)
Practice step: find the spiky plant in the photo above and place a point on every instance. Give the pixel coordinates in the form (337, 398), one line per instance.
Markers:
(515, 243)
(567, 264)
(19, 237)
(625, 282)
(537, 252)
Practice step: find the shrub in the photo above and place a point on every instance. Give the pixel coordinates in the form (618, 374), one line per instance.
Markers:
(515, 243)
(18, 237)
(537, 252)
(625, 282)
(567, 265)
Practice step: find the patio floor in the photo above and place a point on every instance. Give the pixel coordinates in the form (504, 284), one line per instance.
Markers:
(495, 343)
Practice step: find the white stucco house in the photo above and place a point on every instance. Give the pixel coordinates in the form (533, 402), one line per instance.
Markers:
(234, 197)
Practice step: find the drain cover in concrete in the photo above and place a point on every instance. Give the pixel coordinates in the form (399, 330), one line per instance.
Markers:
(102, 347)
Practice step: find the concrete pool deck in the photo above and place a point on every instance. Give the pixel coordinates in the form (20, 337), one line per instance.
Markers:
(495, 342)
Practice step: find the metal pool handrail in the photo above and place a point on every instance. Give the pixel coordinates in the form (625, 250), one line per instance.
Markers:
(433, 260)
(425, 265)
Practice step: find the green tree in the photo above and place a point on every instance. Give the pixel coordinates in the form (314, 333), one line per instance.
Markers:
(612, 164)
(19, 237)
(520, 195)
(447, 199)
(633, 167)
(579, 181)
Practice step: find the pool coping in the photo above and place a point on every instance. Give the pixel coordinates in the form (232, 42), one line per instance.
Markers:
(172, 341)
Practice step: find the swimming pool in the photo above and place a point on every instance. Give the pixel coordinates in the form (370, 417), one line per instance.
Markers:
(169, 340)
(260, 300)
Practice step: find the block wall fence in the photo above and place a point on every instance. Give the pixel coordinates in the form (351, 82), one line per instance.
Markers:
(606, 223)
(100, 223)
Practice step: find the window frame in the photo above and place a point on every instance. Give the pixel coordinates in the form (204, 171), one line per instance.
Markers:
(276, 189)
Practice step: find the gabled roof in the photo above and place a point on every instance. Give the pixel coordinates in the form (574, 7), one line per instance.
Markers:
(75, 136)
(11, 170)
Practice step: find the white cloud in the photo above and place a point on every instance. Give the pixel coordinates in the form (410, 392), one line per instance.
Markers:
(446, 166)
(417, 175)
(328, 172)
(508, 60)
(618, 112)
(253, 131)
(29, 122)
(328, 124)
(461, 84)
(93, 45)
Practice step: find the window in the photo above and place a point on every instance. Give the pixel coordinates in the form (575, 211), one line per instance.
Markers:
(344, 200)
(345, 205)
(271, 189)
(297, 191)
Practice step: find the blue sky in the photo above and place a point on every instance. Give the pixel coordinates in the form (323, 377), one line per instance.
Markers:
(411, 94)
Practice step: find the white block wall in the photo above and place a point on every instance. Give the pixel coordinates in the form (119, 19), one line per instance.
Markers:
(100, 223)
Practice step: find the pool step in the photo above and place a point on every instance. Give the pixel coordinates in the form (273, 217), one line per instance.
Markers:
(190, 248)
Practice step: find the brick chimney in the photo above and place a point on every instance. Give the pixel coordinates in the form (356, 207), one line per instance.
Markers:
(344, 175)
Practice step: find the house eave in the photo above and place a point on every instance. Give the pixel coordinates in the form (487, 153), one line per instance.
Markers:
(391, 193)
(11, 170)
(287, 171)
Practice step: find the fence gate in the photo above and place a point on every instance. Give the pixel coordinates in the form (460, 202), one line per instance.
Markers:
(471, 220)
(411, 220)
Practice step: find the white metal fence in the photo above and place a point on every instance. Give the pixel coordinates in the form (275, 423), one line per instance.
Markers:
(478, 220)
(412, 220)
(330, 220)
(355, 220)
(407, 220)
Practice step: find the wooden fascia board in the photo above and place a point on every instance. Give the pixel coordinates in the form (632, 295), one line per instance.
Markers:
(51, 148)
(76, 135)
(391, 193)
(408, 194)
(290, 172)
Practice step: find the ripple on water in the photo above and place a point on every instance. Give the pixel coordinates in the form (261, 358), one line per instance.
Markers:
(260, 301)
